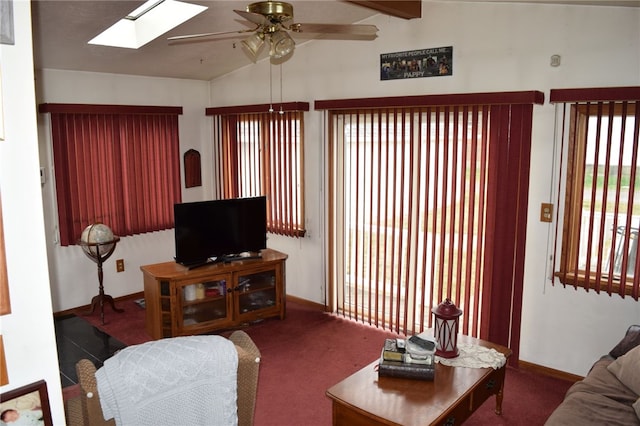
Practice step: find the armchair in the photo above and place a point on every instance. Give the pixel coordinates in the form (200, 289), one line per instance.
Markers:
(247, 381)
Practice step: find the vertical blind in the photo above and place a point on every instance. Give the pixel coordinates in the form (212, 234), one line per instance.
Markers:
(599, 134)
(427, 200)
(262, 153)
(409, 191)
(118, 165)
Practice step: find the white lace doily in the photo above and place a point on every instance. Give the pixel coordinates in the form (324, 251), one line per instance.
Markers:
(474, 356)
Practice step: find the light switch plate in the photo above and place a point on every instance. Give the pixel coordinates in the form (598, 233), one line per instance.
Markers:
(546, 212)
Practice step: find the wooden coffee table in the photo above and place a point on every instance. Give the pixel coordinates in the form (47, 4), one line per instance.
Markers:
(366, 399)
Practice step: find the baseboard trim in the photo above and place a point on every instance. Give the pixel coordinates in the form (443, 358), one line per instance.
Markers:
(550, 372)
(84, 308)
(307, 303)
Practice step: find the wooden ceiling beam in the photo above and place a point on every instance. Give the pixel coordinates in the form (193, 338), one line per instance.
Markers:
(409, 9)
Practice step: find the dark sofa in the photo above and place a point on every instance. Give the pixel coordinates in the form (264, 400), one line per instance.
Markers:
(610, 393)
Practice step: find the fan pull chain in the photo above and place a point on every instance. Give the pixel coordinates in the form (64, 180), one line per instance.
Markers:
(281, 111)
(270, 88)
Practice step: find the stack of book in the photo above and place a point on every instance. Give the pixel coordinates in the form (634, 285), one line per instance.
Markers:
(412, 358)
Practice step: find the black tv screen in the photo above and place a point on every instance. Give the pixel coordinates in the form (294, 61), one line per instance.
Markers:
(220, 229)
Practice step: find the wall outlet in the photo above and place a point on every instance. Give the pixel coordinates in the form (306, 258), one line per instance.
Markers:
(120, 265)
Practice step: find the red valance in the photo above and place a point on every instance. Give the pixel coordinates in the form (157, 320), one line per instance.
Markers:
(259, 108)
(598, 94)
(500, 98)
(108, 109)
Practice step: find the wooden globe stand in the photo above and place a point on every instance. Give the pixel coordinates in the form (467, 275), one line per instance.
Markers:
(99, 257)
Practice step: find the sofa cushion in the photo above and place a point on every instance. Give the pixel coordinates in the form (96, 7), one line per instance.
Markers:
(599, 399)
(625, 368)
(630, 341)
(636, 406)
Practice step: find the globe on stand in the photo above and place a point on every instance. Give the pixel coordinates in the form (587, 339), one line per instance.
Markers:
(98, 243)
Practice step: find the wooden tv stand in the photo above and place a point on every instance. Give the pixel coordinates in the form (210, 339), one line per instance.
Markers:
(182, 301)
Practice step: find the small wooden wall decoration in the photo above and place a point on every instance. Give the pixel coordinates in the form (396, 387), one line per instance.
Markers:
(5, 304)
(4, 375)
(192, 172)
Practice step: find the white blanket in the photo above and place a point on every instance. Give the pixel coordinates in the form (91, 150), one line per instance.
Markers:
(178, 381)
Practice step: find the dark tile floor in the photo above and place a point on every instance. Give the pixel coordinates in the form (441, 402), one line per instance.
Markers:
(77, 339)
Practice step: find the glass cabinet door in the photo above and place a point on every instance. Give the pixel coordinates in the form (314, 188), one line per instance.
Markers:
(256, 291)
(203, 302)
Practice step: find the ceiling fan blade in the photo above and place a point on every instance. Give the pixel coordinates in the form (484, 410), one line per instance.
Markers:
(196, 36)
(357, 30)
(256, 18)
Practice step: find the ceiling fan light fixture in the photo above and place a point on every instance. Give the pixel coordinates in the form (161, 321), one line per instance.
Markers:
(253, 44)
(281, 44)
(273, 24)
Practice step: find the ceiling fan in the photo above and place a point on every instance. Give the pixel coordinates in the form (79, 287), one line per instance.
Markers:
(273, 20)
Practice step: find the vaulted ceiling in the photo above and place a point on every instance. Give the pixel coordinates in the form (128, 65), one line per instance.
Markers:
(61, 30)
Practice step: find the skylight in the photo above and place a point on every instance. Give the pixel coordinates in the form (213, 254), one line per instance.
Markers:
(147, 22)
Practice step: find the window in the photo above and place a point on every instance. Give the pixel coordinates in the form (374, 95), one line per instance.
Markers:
(118, 165)
(261, 152)
(601, 189)
(409, 208)
(427, 201)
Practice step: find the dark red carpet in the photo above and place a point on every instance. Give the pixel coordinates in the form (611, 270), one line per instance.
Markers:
(309, 351)
(128, 327)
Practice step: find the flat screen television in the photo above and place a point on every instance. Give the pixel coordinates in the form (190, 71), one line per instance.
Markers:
(219, 230)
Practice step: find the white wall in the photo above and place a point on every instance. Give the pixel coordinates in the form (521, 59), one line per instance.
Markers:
(28, 332)
(496, 47)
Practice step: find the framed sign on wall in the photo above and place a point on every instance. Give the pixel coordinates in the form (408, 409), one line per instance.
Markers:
(435, 62)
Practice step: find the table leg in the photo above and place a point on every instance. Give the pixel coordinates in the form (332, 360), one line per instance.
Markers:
(100, 300)
(101, 297)
(111, 303)
(499, 397)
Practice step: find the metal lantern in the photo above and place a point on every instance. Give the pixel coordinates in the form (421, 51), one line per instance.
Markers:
(445, 331)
